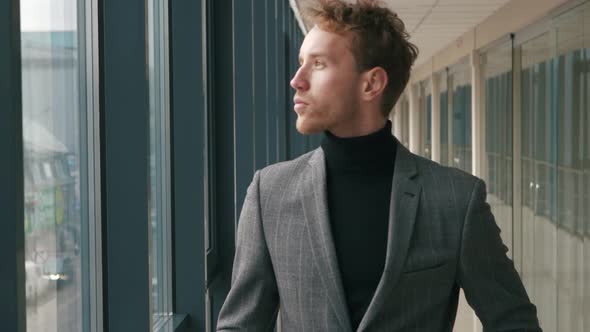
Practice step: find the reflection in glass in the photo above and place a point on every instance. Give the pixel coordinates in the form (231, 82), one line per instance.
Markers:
(56, 228)
(460, 87)
(498, 152)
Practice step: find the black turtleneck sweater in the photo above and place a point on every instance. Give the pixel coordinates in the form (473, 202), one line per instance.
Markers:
(359, 177)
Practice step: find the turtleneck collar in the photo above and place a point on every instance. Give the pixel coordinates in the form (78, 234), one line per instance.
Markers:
(372, 152)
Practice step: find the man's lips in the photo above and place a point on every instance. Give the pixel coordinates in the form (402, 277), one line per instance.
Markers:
(299, 101)
(299, 106)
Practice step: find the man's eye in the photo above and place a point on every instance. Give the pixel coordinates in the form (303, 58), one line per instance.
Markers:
(318, 63)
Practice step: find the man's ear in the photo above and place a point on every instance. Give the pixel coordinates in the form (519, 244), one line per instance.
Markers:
(374, 83)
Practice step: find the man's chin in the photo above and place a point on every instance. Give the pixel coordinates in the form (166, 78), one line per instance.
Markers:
(307, 128)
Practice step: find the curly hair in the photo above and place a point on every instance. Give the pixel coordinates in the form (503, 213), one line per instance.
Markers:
(379, 39)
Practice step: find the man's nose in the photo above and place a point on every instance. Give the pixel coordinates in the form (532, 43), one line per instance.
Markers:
(299, 82)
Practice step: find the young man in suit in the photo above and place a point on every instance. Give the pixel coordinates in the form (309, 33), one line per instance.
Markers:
(360, 234)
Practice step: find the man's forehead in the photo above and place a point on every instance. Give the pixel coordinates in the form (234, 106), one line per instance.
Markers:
(322, 42)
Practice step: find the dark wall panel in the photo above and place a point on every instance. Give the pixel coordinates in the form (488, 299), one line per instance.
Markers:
(271, 80)
(282, 80)
(260, 87)
(124, 166)
(244, 115)
(224, 162)
(188, 165)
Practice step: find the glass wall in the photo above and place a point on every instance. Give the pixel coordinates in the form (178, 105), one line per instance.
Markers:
(497, 170)
(460, 87)
(159, 162)
(444, 118)
(57, 222)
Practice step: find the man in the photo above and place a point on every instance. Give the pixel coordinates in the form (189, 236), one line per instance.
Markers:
(360, 234)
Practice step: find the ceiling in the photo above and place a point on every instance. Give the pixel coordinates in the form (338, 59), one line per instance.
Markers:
(434, 24)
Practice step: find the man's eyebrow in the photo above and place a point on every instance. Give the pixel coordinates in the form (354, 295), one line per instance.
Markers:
(316, 55)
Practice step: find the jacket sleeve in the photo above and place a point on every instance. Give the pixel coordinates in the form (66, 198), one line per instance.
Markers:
(491, 284)
(252, 302)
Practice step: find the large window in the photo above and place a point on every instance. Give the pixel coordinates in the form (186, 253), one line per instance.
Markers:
(159, 162)
(497, 72)
(60, 227)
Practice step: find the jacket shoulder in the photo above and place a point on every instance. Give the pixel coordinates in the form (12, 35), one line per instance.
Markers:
(284, 171)
(434, 170)
(448, 187)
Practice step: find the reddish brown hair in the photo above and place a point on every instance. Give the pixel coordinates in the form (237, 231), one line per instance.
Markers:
(379, 39)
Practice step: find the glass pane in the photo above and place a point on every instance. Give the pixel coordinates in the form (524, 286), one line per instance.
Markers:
(159, 161)
(498, 123)
(54, 110)
(539, 176)
(460, 87)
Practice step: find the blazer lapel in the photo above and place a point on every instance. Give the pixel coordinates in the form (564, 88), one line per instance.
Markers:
(315, 209)
(405, 195)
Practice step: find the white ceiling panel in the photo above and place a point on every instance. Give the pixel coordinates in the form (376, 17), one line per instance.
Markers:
(434, 24)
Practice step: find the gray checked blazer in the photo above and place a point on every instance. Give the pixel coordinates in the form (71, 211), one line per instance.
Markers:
(442, 237)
